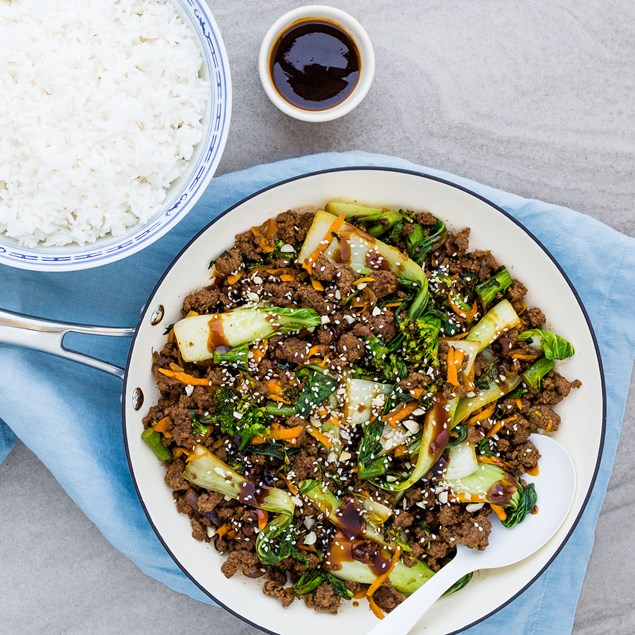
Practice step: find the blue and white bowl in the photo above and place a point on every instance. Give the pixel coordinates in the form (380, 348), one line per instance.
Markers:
(182, 194)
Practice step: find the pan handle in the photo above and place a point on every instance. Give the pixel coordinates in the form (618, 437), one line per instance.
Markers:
(48, 336)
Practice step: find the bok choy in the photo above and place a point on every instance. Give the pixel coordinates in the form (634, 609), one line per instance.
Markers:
(198, 336)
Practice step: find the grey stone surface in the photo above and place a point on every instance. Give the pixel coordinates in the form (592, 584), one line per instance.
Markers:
(536, 98)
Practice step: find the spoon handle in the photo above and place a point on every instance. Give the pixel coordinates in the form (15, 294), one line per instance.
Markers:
(408, 613)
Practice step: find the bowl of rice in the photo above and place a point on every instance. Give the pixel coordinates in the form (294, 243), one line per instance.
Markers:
(115, 117)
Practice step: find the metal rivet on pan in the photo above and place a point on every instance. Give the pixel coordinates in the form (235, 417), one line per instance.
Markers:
(137, 398)
(157, 315)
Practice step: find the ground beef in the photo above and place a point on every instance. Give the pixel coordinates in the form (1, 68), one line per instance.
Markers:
(383, 325)
(387, 597)
(505, 342)
(292, 227)
(209, 501)
(174, 476)
(307, 296)
(457, 243)
(202, 301)
(229, 262)
(279, 293)
(344, 280)
(534, 318)
(516, 291)
(246, 562)
(555, 388)
(403, 519)
(292, 349)
(279, 591)
(385, 283)
(323, 599)
(460, 527)
(481, 263)
(543, 418)
(303, 464)
(350, 347)
(324, 270)
(182, 422)
(198, 530)
(524, 457)
(474, 434)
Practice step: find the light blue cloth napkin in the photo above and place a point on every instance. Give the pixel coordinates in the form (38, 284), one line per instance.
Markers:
(70, 415)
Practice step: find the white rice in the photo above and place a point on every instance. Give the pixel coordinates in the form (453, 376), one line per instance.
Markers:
(102, 106)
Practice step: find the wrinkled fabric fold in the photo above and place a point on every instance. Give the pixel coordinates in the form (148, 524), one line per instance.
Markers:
(70, 416)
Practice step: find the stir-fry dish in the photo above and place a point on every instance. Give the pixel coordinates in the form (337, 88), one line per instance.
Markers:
(351, 398)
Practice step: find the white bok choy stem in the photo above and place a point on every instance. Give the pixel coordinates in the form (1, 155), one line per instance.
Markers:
(352, 246)
(199, 335)
(495, 322)
(361, 396)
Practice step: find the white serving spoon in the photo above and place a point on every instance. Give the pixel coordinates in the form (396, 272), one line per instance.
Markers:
(555, 486)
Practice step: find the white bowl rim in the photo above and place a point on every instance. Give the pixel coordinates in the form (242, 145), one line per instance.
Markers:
(366, 52)
(149, 304)
(73, 257)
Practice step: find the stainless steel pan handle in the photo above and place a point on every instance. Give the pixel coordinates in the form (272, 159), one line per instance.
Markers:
(48, 336)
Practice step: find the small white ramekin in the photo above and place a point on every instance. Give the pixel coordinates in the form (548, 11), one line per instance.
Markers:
(352, 27)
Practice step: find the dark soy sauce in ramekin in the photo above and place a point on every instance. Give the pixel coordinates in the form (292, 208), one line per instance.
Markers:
(314, 64)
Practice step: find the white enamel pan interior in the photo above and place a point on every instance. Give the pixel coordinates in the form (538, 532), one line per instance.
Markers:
(581, 431)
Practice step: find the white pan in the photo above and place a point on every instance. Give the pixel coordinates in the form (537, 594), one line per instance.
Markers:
(581, 431)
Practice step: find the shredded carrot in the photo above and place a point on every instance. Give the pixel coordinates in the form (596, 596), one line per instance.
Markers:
(451, 371)
(384, 576)
(392, 305)
(263, 518)
(180, 452)
(400, 450)
(192, 313)
(174, 366)
(316, 350)
(259, 350)
(495, 428)
(494, 460)
(484, 413)
(359, 595)
(279, 399)
(468, 315)
(279, 434)
(287, 277)
(162, 424)
(234, 278)
(463, 497)
(322, 411)
(334, 420)
(336, 225)
(375, 609)
(184, 378)
(264, 234)
(524, 356)
(400, 413)
(519, 403)
(292, 488)
(222, 530)
(324, 361)
(274, 386)
(319, 436)
(549, 425)
(364, 279)
(534, 471)
(317, 285)
(499, 511)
